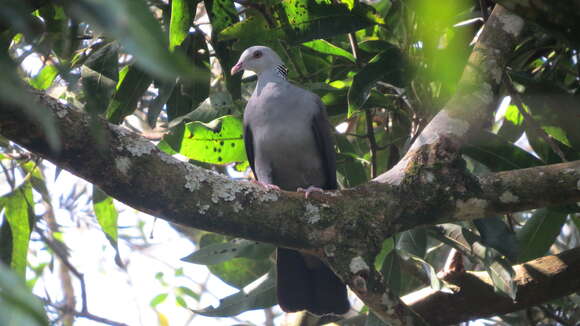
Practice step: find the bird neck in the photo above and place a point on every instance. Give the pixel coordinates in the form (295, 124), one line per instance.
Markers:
(277, 74)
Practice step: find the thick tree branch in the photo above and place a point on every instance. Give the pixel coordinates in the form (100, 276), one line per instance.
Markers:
(559, 17)
(477, 93)
(344, 227)
(537, 281)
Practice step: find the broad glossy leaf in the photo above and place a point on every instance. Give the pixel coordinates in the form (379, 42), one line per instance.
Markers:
(495, 233)
(188, 94)
(182, 14)
(17, 211)
(218, 142)
(220, 252)
(540, 232)
(133, 82)
(388, 246)
(238, 271)
(391, 271)
(133, 25)
(326, 47)
(468, 243)
(106, 214)
(414, 242)
(223, 13)
(251, 31)
(259, 294)
(434, 282)
(305, 20)
(164, 92)
(45, 77)
(99, 76)
(499, 155)
(386, 66)
(18, 306)
(351, 171)
(501, 274)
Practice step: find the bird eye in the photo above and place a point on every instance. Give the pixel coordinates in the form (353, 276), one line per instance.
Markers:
(257, 54)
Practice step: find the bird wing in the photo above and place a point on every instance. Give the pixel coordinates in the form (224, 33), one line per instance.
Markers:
(322, 130)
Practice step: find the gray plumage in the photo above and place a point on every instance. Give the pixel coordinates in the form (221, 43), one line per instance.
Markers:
(289, 144)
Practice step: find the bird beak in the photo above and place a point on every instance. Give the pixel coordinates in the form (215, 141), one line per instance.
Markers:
(239, 66)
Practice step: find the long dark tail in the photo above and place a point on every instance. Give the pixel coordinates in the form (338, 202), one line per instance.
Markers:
(306, 283)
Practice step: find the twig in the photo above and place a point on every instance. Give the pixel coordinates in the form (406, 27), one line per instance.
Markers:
(63, 258)
(529, 119)
(353, 46)
(292, 62)
(372, 142)
(82, 314)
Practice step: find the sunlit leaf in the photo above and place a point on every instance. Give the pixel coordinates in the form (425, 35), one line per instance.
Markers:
(182, 14)
(158, 299)
(326, 47)
(133, 82)
(106, 214)
(218, 142)
(45, 77)
(17, 211)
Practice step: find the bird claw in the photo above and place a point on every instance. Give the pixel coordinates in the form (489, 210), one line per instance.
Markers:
(268, 186)
(309, 190)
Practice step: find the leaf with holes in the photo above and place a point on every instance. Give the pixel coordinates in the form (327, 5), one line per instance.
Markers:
(219, 142)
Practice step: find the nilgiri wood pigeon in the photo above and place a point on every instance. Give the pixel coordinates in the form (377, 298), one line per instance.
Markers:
(289, 145)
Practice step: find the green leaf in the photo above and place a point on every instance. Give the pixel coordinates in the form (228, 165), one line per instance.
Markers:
(188, 94)
(414, 242)
(236, 268)
(501, 274)
(499, 155)
(326, 47)
(106, 214)
(18, 306)
(133, 25)
(182, 14)
(99, 75)
(468, 243)
(218, 142)
(18, 212)
(251, 31)
(386, 66)
(388, 246)
(373, 320)
(434, 282)
(496, 234)
(351, 171)
(133, 82)
(305, 20)
(45, 77)
(182, 290)
(158, 299)
(539, 233)
(220, 252)
(259, 294)
(164, 92)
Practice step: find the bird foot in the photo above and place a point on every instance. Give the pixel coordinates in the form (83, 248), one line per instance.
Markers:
(268, 186)
(309, 190)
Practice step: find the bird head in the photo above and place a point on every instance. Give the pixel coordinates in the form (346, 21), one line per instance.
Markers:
(257, 59)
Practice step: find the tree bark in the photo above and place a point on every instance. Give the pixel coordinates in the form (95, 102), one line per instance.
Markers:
(537, 281)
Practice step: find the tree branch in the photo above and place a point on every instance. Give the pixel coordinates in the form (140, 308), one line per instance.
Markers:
(537, 281)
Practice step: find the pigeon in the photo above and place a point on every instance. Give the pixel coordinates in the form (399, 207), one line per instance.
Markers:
(289, 145)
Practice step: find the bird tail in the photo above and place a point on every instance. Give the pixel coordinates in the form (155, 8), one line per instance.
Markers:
(306, 283)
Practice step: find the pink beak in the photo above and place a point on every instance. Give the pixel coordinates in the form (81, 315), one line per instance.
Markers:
(236, 68)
